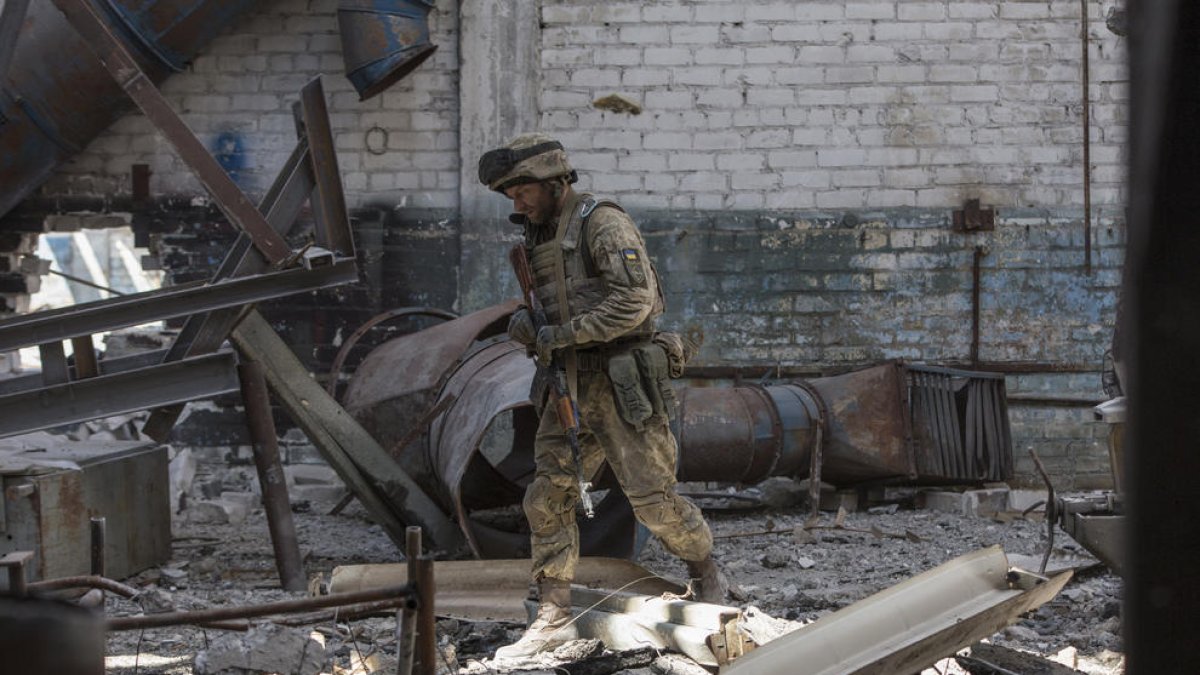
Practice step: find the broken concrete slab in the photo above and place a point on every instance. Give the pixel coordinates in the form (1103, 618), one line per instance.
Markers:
(217, 511)
(265, 649)
(311, 474)
(975, 503)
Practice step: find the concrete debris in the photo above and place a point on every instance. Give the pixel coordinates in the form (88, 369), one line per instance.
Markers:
(218, 511)
(985, 659)
(265, 649)
(311, 474)
(676, 664)
(780, 493)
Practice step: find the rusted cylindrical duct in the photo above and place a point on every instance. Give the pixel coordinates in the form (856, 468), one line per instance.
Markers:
(57, 96)
(888, 423)
(383, 40)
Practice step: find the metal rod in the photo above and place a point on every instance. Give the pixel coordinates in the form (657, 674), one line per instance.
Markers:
(1087, 138)
(426, 651)
(406, 626)
(85, 282)
(251, 611)
(975, 284)
(90, 581)
(348, 612)
(98, 529)
(1050, 515)
(271, 476)
(85, 357)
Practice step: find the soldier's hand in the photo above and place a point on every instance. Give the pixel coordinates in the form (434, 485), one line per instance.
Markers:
(520, 327)
(550, 338)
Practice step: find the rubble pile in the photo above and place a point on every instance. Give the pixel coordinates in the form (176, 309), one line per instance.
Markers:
(786, 568)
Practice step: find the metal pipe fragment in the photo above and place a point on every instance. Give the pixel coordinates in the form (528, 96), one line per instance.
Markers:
(252, 611)
(271, 477)
(87, 581)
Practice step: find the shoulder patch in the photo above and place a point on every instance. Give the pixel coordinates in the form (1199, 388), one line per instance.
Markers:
(630, 254)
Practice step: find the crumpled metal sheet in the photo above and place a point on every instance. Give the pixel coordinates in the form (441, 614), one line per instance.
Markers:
(911, 625)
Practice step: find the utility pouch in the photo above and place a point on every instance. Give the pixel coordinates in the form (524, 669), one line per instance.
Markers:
(679, 350)
(632, 403)
(656, 378)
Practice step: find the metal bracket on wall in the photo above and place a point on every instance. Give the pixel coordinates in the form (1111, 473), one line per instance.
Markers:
(972, 218)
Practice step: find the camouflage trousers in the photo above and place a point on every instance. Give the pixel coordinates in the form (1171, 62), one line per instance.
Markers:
(644, 465)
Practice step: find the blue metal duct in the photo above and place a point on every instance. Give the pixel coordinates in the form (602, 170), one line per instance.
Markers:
(383, 40)
(57, 95)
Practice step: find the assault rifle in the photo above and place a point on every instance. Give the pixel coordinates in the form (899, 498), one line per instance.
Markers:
(564, 405)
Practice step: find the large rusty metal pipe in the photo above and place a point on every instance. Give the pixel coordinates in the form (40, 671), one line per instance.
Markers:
(383, 41)
(887, 423)
(57, 95)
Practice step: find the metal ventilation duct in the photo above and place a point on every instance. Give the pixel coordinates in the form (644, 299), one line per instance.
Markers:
(383, 41)
(57, 96)
(889, 423)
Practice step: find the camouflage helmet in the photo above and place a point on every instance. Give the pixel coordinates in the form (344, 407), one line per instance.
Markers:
(528, 158)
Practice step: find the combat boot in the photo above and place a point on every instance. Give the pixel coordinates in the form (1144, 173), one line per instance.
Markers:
(707, 582)
(552, 626)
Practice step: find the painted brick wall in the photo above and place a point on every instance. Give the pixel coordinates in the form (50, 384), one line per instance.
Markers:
(398, 148)
(836, 104)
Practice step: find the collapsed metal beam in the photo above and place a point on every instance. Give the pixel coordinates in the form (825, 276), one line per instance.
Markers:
(125, 70)
(130, 391)
(387, 492)
(131, 310)
(912, 625)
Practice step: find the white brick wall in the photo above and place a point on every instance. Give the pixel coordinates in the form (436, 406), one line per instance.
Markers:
(839, 104)
(765, 104)
(245, 82)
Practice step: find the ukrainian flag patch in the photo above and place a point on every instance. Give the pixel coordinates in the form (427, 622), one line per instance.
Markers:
(630, 254)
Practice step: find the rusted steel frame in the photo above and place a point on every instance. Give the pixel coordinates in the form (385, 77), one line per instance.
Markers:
(328, 201)
(818, 446)
(975, 292)
(204, 333)
(388, 493)
(86, 581)
(420, 568)
(177, 382)
(356, 611)
(107, 367)
(339, 360)
(254, 611)
(270, 476)
(124, 69)
(85, 357)
(11, 18)
(131, 310)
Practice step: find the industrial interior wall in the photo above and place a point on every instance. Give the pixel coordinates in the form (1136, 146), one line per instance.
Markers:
(795, 167)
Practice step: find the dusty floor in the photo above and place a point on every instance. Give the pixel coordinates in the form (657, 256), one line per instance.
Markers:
(786, 577)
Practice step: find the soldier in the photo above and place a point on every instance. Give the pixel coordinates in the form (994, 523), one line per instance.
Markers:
(601, 297)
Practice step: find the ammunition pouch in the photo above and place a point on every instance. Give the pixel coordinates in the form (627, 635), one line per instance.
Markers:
(641, 383)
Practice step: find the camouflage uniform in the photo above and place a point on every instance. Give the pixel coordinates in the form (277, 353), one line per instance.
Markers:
(601, 295)
(642, 460)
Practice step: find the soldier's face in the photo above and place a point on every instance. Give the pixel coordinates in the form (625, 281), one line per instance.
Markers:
(535, 201)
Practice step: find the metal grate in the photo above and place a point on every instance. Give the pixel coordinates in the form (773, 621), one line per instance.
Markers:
(960, 424)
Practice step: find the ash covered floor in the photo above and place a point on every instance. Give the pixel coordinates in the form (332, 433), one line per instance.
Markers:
(788, 575)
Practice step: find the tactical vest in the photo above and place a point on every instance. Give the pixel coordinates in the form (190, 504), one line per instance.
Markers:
(584, 285)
